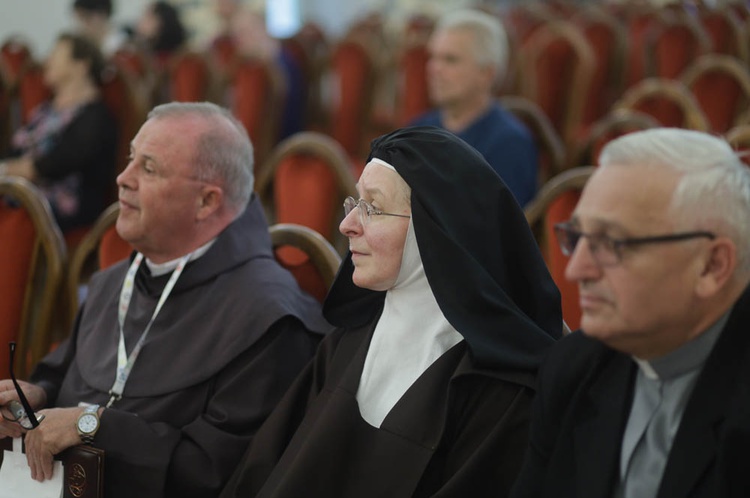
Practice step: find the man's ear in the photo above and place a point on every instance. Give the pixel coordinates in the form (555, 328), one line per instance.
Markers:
(718, 268)
(211, 199)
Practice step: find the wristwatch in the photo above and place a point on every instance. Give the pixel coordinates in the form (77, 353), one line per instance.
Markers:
(88, 423)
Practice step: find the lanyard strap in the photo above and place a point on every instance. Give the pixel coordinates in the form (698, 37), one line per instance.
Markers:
(125, 363)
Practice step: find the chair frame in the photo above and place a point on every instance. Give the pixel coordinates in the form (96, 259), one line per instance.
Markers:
(322, 254)
(574, 178)
(83, 253)
(35, 328)
(726, 64)
(582, 72)
(618, 120)
(672, 90)
(529, 112)
(318, 145)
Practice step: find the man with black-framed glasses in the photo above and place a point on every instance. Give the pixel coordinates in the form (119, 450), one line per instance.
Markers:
(652, 397)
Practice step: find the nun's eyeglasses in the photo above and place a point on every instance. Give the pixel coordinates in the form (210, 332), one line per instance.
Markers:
(607, 251)
(366, 214)
(19, 412)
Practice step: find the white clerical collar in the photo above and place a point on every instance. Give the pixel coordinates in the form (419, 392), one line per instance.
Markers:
(158, 269)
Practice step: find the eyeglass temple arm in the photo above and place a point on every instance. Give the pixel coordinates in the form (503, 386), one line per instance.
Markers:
(25, 402)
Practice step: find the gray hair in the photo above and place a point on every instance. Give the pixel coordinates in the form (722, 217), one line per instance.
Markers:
(714, 191)
(221, 156)
(490, 38)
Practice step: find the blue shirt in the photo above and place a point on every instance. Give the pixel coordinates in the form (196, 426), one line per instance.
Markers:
(506, 145)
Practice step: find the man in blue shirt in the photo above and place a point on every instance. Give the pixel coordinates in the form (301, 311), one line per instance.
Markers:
(468, 54)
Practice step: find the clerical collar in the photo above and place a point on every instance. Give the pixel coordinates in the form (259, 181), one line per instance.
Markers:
(687, 357)
(158, 269)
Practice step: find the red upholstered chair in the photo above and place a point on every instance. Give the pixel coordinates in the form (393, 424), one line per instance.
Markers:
(727, 33)
(307, 255)
(611, 126)
(413, 94)
(669, 101)
(32, 255)
(305, 182)
(553, 204)
(674, 43)
(14, 55)
(127, 106)
(256, 97)
(221, 53)
(5, 116)
(721, 85)
(189, 78)
(32, 90)
(100, 248)
(351, 80)
(639, 18)
(739, 138)
(557, 65)
(549, 145)
(608, 39)
(523, 18)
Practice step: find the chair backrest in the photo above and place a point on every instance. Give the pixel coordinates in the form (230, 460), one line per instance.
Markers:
(669, 101)
(14, 55)
(190, 78)
(413, 94)
(32, 255)
(611, 126)
(557, 66)
(351, 86)
(5, 115)
(305, 182)
(674, 43)
(726, 31)
(553, 204)
(256, 98)
(100, 248)
(608, 39)
(549, 144)
(739, 138)
(307, 255)
(721, 86)
(121, 96)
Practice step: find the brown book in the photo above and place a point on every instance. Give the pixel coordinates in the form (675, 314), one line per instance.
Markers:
(83, 468)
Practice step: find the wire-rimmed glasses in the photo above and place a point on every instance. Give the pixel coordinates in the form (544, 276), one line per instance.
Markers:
(606, 250)
(19, 411)
(366, 214)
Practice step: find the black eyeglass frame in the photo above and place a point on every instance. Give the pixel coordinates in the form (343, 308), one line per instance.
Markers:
(566, 231)
(27, 413)
(370, 210)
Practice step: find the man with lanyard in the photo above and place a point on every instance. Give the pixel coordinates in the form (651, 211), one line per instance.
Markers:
(180, 353)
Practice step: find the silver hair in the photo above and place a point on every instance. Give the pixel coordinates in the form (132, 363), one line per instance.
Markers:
(714, 191)
(223, 155)
(490, 39)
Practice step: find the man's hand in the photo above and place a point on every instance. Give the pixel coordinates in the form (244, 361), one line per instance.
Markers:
(56, 433)
(34, 394)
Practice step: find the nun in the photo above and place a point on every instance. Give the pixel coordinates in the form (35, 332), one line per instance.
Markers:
(444, 308)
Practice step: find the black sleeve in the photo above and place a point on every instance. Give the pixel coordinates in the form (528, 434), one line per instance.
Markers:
(87, 140)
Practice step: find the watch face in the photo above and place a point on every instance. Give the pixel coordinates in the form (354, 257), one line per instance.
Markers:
(87, 423)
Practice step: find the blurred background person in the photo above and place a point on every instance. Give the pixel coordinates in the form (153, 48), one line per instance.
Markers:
(253, 41)
(160, 32)
(68, 147)
(93, 18)
(468, 56)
